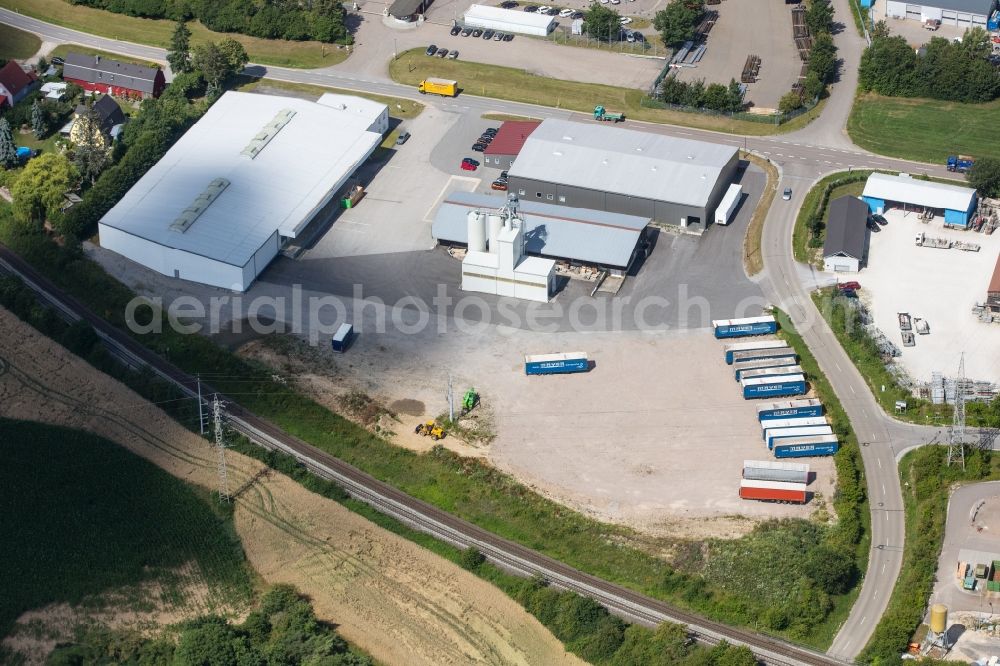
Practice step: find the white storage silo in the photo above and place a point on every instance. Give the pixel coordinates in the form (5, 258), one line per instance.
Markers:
(495, 225)
(477, 231)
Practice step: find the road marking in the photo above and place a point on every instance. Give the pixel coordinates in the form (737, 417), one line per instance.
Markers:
(853, 391)
(885, 493)
(838, 366)
(883, 567)
(863, 619)
(879, 462)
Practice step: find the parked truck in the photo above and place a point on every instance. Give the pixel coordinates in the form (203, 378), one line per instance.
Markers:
(754, 345)
(738, 328)
(769, 470)
(960, 163)
(778, 353)
(825, 445)
(600, 113)
(774, 435)
(923, 240)
(443, 87)
(789, 408)
(768, 387)
(773, 491)
(554, 364)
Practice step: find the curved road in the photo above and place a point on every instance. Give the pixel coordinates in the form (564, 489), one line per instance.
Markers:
(803, 156)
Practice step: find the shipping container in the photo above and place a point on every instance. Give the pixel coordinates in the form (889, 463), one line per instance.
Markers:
(738, 328)
(767, 387)
(551, 364)
(796, 448)
(779, 434)
(760, 364)
(751, 346)
(773, 371)
(793, 423)
(341, 340)
(789, 408)
(769, 470)
(760, 354)
(773, 491)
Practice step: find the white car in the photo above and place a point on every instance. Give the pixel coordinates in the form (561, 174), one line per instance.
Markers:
(616, 2)
(626, 20)
(544, 9)
(566, 13)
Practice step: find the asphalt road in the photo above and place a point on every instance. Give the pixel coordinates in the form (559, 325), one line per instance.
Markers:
(804, 156)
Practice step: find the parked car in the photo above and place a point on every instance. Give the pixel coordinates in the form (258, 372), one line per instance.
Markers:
(402, 138)
(431, 50)
(881, 220)
(492, 131)
(531, 9)
(577, 15)
(479, 147)
(470, 160)
(469, 166)
(453, 55)
(498, 37)
(509, 37)
(854, 286)
(489, 34)
(625, 20)
(873, 227)
(566, 13)
(503, 175)
(441, 53)
(499, 185)
(466, 32)
(787, 194)
(477, 32)
(508, 4)
(544, 9)
(630, 36)
(455, 29)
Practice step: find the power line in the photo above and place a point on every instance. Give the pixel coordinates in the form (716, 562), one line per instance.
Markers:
(956, 439)
(220, 447)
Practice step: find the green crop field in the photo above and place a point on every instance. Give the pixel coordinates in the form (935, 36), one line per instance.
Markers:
(82, 516)
(925, 130)
(17, 44)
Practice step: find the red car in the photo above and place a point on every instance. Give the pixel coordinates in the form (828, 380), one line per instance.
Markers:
(853, 286)
(468, 166)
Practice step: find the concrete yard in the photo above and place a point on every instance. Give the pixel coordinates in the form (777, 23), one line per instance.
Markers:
(913, 31)
(743, 28)
(938, 285)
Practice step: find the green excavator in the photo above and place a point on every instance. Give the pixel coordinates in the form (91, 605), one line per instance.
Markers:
(469, 400)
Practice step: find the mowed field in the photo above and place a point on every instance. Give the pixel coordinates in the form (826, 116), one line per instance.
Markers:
(157, 32)
(924, 130)
(399, 602)
(16, 44)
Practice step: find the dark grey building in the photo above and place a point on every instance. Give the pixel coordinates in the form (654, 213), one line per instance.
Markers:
(844, 248)
(584, 165)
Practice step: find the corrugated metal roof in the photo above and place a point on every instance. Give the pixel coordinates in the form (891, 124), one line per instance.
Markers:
(511, 137)
(994, 287)
(609, 159)
(845, 228)
(278, 189)
(511, 16)
(981, 7)
(920, 192)
(580, 234)
(92, 68)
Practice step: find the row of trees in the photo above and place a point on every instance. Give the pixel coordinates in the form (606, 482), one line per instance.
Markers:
(321, 20)
(946, 70)
(822, 63)
(713, 96)
(214, 62)
(284, 630)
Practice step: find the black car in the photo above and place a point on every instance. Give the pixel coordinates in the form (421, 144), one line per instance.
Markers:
(881, 220)
(503, 174)
(469, 160)
(57, 61)
(479, 147)
(509, 37)
(531, 9)
(489, 34)
(466, 32)
(491, 130)
(441, 53)
(577, 15)
(455, 29)
(431, 50)
(873, 226)
(477, 32)
(508, 4)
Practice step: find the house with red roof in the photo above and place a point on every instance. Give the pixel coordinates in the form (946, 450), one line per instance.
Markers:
(15, 83)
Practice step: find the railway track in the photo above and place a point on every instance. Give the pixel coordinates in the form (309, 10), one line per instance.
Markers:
(416, 513)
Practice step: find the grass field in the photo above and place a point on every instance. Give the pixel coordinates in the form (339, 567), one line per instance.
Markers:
(155, 32)
(924, 130)
(17, 44)
(63, 49)
(801, 235)
(82, 515)
(399, 107)
(753, 260)
(520, 86)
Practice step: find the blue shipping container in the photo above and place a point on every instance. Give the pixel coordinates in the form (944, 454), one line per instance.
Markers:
(775, 389)
(739, 330)
(552, 364)
(805, 450)
(790, 412)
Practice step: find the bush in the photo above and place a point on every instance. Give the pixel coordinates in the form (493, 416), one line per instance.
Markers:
(471, 559)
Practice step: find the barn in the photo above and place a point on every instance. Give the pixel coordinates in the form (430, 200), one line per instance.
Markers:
(121, 79)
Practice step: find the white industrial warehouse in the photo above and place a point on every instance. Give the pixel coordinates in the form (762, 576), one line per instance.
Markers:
(961, 13)
(509, 20)
(252, 173)
(955, 203)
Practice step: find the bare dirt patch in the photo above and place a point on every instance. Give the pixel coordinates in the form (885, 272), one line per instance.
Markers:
(401, 603)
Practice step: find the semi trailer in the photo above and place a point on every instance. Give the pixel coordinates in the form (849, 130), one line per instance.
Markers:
(773, 491)
(823, 445)
(772, 371)
(777, 353)
(738, 328)
(554, 364)
(756, 345)
(768, 387)
(769, 470)
(789, 408)
(759, 364)
(775, 435)
(799, 422)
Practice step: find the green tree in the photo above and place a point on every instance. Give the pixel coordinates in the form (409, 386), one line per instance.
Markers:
(888, 67)
(40, 189)
(789, 102)
(823, 57)
(235, 55)
(602, 22)
(677, 21)
(985, 177)
(90, 154)
(880, 30)
(819, 17)
(38, 120)
(716, 96)
(179, 53)
(209, 59)
(471, 559)
(831, 569)
(8, 152)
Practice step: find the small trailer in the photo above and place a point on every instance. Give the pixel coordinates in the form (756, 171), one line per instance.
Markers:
(341, 340)
(555, 364)
(909, 340)
(921, 325)
(905, 323)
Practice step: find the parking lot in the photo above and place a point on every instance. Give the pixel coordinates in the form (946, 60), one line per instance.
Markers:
(938, 285)
(762, 28)
(913, 31)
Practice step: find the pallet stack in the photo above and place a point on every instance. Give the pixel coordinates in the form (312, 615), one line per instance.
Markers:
(800, 32)
(750, 69)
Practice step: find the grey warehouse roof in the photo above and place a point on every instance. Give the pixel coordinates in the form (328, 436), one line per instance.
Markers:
(971, 6)
(580, 234)
(608, 159)
(87, 67)
(845, 228)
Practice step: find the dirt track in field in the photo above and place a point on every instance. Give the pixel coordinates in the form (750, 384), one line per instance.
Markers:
(392, 598)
